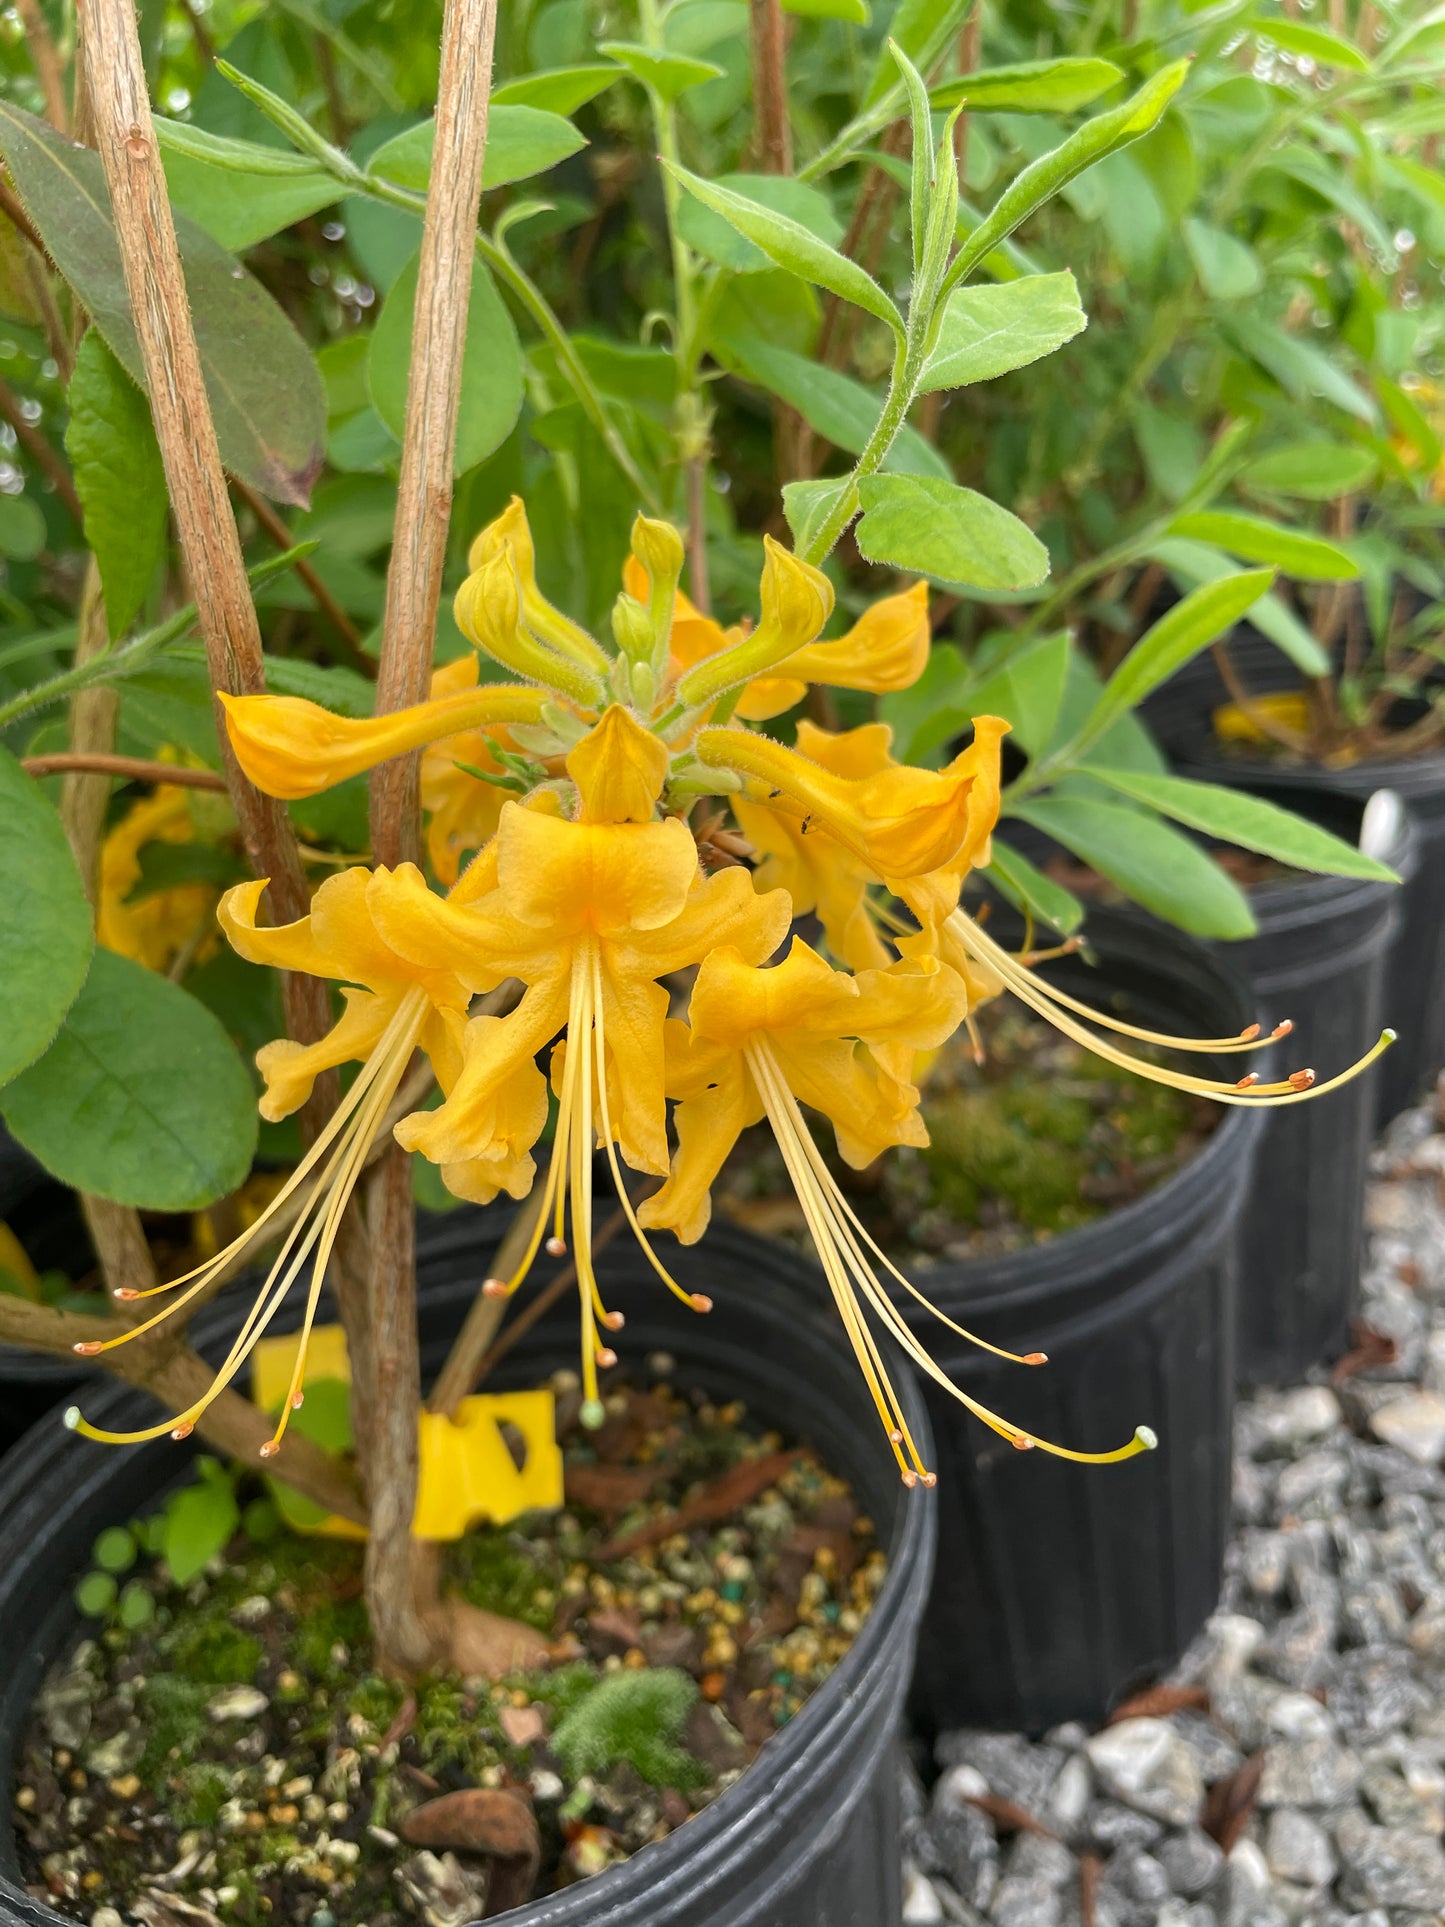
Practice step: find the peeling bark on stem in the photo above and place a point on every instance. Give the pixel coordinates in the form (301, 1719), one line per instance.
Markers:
(409, 1633)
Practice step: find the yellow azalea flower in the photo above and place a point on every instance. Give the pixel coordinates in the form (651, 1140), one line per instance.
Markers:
(589, 891)
(902, 822)
(290, 747)
(392, 1007)
(462, 811)
(886, 649)
(764, 1042)
(157, 928)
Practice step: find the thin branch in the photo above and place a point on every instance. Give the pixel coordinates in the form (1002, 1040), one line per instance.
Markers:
(84, 795)
(459, 1375)
(545, 1299)
(41, 453)
(404, 1629)
(323, 598)
(424, 490)
(49, 69)
(125, 136)
(768, 35)
(137, 769)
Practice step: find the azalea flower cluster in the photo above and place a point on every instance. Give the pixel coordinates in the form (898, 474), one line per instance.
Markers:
(578, 820)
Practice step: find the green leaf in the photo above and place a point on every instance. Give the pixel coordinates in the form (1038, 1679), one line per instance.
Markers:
(198, 1524)
(922, 28)
(1300, 368)
(561, 90)
(239, 191)
(1189, 561)
(842, 410)
(136, 1606)
(22, 528)
(1029, 889)
(1314, 471)
(668, 75)
(114, 1550)
(95, 1594)
(1171, 446)
(491, 397)
(1228, 268)
(792, 246)
(1154, 865)
(1315, 43)
(1043, 178)
(855, 11)
(1026, 688)
(1253, 539)
(1030, 87)
(264, 389)
(140, 1098)
(521, 141)
(937, 528)
(989, 330)
(118, 477)
(46, 935)
(807, 506)
(1248, 821)
(1178, 635)
(716, 238)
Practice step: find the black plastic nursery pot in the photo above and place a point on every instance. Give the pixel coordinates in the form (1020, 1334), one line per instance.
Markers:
(46, 1219)
(1320, 958)
(808, 1837)
(1414, 1005)
(1061, 1587)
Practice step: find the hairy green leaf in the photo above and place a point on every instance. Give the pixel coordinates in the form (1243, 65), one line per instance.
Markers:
(491, 397)
(667, 74)
(1030, 87)
(46, 936)
(521, 141)
(1249, 821)
(953, 534)
(792, 246)
(842, 410)
(1228, 268)
(1253, 539)
(264, 389)
(1027, 888)
(118, 477)
(239, 191)
(1156, 866)
(1191, 562)
(561, 90)
(989, 330)
(141, 1097)
(712, 235)
(1315, 43)
(1313, 471)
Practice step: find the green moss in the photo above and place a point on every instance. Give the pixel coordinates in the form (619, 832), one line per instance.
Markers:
(561, 1690)
(175, 1724)
(324, 1624)
(491, 1572)
(981, 1148)
(205, 1646)
(636, 1717)
(196, 1794)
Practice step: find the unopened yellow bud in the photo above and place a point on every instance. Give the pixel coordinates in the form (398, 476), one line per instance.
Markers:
(796, 600)
(658, 547)
(510, 535)
(489, 612)
(633, 629)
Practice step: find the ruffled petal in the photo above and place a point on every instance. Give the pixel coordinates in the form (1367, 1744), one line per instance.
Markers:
(290, 1069)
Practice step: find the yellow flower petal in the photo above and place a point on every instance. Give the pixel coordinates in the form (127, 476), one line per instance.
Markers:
(619, 767)
(291, 748)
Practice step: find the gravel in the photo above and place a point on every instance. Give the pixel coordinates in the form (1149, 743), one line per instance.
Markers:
(1324, 1668)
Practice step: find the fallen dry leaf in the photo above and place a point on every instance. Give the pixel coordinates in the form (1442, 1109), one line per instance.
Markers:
(611, 1489)
(483, 1645)
(1230, 1803)
(1369, 1348)
(738, 1486)
(1008, 1815)
(1155, 1702)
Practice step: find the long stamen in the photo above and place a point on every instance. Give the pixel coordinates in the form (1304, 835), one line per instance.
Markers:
(1051, 1005)
(315, 1228)
(783, 1108)
(695, 1300)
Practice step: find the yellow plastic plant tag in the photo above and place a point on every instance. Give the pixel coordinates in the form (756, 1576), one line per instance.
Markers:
(467, 1470)
(1289, 707)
